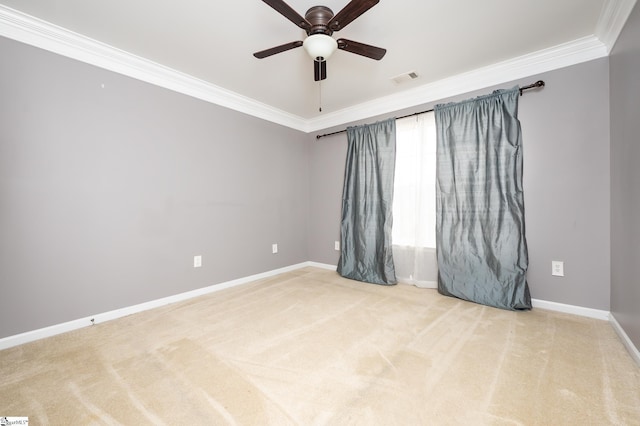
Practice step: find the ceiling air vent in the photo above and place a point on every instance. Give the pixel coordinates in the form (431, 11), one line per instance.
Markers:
(403, 78)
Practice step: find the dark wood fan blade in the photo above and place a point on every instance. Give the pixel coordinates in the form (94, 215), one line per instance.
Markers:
(278, 49)
(319, 70)
(372, 52)
(350, 12)
(285, 10)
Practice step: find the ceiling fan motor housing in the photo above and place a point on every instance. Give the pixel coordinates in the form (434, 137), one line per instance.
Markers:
(319, 17)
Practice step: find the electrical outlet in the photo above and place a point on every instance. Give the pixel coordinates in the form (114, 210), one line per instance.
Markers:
(557, 268)
(274, 248)
(336, 245)
(197, 261)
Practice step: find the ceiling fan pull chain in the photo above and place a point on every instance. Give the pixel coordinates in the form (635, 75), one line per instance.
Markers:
(320, 95)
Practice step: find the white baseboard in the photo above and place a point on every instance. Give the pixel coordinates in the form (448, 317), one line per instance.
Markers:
(421, 284)
(53, 330)
(322, 265)
(571, 309)
(542, 304)
(626, 341)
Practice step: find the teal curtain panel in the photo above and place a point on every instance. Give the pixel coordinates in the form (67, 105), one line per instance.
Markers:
(367, 201)
(480, 230)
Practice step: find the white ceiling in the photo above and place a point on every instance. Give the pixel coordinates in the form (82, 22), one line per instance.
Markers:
(212, 41)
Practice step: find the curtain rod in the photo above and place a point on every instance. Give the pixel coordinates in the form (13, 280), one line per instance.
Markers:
(535, 85)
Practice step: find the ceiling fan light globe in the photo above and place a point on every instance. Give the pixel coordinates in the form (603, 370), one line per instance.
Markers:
(320, 46)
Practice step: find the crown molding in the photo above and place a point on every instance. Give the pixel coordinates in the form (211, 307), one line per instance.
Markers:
(563, 55)
(36, 32)
(613, 16)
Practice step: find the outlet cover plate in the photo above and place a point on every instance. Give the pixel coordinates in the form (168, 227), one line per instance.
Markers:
(557, 268)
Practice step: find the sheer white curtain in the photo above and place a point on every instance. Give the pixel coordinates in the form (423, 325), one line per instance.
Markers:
(414, 209)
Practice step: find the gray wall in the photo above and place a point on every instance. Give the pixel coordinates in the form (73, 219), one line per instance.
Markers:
(107, 193)
(566, 184)
(625, 178)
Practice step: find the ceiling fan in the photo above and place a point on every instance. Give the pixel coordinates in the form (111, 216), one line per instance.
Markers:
(320, 23)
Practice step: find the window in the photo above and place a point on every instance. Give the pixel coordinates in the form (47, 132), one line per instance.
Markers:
(414, 209)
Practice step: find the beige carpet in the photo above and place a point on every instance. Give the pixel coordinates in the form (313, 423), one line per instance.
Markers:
(311, 348)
